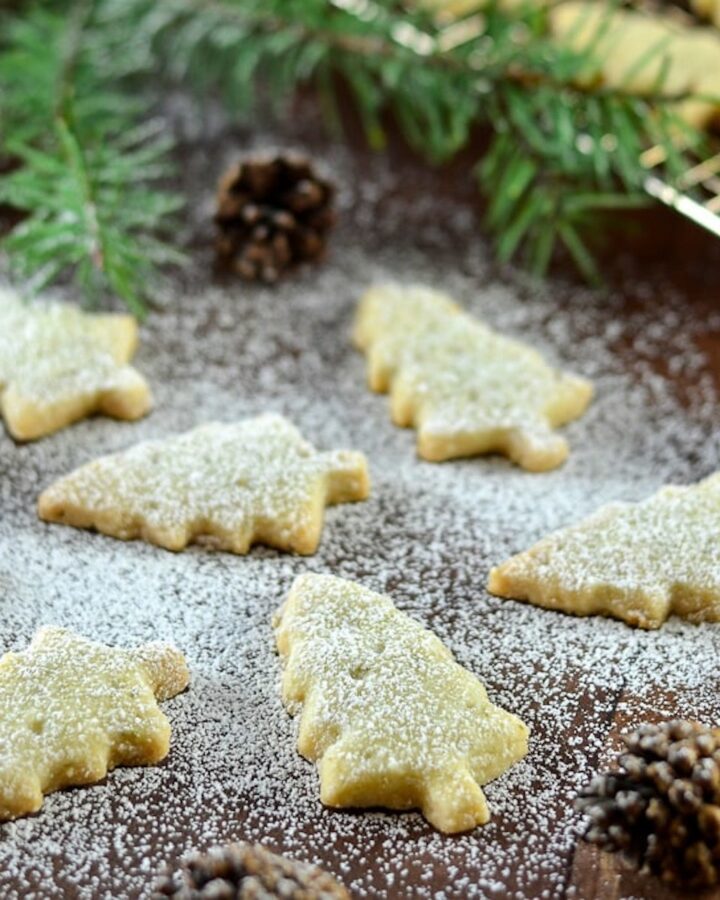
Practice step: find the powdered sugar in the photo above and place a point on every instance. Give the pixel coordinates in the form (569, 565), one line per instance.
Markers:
(227, 484)
(58, 364)
(428, 535)
(73, 709)
(467, 389)
(388, 715)
(638, 562)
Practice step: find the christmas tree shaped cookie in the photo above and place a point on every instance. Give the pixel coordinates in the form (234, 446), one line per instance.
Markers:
(71, 710)
(255, 481)
(640, 562)
(59, 364)
(467, 389)
(388, 715)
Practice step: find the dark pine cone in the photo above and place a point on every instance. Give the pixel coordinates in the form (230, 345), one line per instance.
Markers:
(247, 872)
(272, 213)
(661, 809)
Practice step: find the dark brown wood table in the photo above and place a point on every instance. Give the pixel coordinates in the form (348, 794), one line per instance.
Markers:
(215, 348)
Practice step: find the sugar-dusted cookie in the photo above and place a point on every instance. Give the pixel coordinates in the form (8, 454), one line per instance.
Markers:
(71, 710)
(640, 562)
(247, 872)
(390, 717)
(467, 389)
(254, 481)
(59, 364)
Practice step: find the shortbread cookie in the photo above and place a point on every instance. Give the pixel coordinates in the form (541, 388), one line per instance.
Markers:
(640, 562)
(255, 481)
(71, 710)
(388, 715)
(59, 364)
(467, 389)
(247, 872)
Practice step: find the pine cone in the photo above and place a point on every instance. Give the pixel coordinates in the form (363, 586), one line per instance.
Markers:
(271, 213)
(661, 809)
(247, 872)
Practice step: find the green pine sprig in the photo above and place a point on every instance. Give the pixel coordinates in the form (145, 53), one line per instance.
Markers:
(86, 157)
(560, 152)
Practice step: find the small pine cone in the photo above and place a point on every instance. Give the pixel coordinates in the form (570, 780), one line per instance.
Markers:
(272, 213)
(661, 809)
(247, 872)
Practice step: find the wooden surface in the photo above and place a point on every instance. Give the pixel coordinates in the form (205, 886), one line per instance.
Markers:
(666, 264)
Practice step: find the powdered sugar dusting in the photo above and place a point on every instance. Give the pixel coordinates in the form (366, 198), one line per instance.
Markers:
(72, 709)
(467, 389)
(227, 484)
(58, 363)
(638, 562)
(428, 536)
(389, 716)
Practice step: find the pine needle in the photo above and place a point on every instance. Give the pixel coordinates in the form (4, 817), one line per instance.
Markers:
(70, 80)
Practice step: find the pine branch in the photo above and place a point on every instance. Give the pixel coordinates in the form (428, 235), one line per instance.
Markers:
(85, 172)
(561, 151)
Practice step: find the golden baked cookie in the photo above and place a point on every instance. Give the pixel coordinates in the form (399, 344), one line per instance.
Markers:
(388, 715)
(231, 485)
(467, 389)
(71, 710)
(59, 364)
(640, 562)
